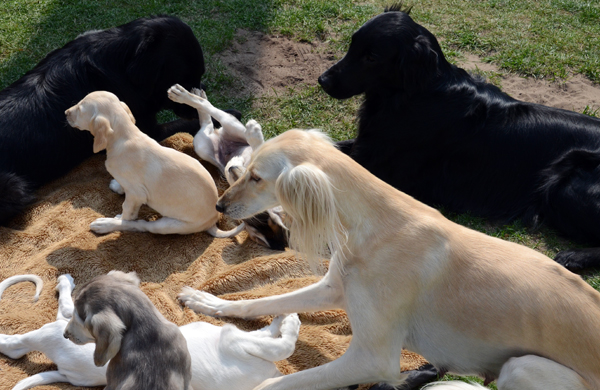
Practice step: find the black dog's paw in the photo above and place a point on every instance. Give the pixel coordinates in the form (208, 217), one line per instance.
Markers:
(416, 379)
(579, 259)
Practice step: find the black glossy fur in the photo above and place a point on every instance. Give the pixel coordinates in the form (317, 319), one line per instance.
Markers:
(450, 139)
(137, 61)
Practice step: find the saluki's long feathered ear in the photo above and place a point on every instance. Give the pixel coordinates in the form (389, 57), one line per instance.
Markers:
(107, 328)
(307, 195)
(100, 128)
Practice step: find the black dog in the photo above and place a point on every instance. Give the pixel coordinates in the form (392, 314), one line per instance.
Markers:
(450, 139)
(137, 61)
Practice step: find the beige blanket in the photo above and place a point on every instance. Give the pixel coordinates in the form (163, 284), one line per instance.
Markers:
(53, 238)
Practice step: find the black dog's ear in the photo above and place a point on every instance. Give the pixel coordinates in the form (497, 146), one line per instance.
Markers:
(418, 66)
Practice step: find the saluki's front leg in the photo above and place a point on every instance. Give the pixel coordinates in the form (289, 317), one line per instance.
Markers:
(354, 367)
(323, 295)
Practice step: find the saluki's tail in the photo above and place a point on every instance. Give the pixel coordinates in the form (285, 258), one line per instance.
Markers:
(218, 233)
(15, 194)
(39, 284)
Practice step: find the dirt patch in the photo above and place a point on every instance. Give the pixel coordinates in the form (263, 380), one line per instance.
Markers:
(573, 94)
(268, 64)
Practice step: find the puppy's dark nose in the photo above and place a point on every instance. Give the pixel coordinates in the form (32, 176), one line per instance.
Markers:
(220, 208)
(65, 335)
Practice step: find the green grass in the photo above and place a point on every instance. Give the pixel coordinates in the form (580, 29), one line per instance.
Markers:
(549, 39)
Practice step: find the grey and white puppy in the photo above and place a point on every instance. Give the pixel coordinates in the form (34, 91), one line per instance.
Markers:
(145, 350)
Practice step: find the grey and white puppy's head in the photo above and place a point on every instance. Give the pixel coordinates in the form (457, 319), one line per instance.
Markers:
(96, 319)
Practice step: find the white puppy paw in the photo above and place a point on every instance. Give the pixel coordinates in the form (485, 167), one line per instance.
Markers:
(65, 279)
(203, 302)
(199, 92)
(116, 187)
(234, 169)
(105, 225)
(290, 324)
(254, 134)
(178, 94)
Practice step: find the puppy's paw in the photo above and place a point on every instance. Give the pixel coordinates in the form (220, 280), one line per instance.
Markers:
(105, 225)
(178, 94)
(202, 302)
(66, 280)
(290, 324)
(116, 187)
(199, 92)
(254, 134)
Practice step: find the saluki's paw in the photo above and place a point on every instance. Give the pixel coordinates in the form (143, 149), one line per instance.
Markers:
(116, 187)
(178, 94)
(202, 302)
(65, 279)
(254, 134)
(105, 225)
(290, 324)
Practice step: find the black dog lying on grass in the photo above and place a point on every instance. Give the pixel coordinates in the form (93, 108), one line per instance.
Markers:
(450, 139)
(137, 61)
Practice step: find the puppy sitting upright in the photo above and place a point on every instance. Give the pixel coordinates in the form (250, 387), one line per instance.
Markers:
(145, 350)
(172, 183)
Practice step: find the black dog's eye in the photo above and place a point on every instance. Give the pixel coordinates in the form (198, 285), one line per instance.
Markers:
(371, 57)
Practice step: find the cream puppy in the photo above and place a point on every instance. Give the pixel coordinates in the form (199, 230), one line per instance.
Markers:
(172, 183)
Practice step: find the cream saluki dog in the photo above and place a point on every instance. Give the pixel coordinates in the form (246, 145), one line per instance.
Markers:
(229, 148)
(223, 358)
(408, 277)
(172, 183)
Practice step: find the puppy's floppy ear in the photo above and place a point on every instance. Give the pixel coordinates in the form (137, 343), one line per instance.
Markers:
(100, 128)
(107, 328)
(130, 277)
(126, 107)
(306, 193)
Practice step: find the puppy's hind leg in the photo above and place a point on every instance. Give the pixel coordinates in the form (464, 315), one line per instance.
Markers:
(123, 222)
(65, 287)
(254, 135)
(43, 378)
(277, 348)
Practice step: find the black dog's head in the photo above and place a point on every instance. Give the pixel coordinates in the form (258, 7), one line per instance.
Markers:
(388, 53)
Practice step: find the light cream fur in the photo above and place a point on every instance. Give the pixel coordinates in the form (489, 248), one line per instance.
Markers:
(172, 183)
(408, 277)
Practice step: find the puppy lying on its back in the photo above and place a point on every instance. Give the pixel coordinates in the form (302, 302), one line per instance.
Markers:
(223, 357)
(172, 183)
(229, 148)
(145, 350)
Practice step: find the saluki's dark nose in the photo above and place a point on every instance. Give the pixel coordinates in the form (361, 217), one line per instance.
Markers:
(220, 208)
(65, 335)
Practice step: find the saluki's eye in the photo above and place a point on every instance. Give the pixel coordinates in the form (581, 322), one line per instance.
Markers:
(255, 178)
